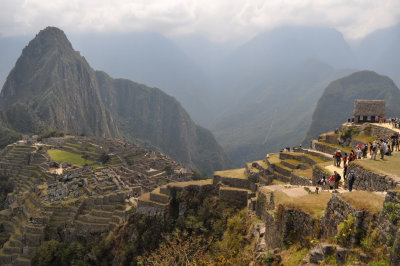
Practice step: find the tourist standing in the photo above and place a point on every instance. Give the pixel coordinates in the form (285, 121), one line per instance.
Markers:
(337, 179)
(344, 170)
(374, 150)
(331, 182)
(338, 158)
(351, 179)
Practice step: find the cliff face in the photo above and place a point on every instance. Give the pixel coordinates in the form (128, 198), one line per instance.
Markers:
(337, 102)
(53, 87)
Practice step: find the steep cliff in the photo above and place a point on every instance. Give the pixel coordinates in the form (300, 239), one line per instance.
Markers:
(53, 87)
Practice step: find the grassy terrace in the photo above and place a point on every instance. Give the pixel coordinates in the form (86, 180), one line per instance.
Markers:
(188, 183)
(364, 200)
(390, 165)
(274, 158)
(305, 173)
(364, 138)
(342, 148)
(69, 157)
(234, 173)
(313, 204)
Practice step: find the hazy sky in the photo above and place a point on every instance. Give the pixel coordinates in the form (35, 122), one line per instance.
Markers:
(217, 19)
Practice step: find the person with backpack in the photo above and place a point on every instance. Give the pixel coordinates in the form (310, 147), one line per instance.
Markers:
(337, 179)
(351, 179)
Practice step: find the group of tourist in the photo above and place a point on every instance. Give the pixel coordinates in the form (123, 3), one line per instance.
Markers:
(360, 151)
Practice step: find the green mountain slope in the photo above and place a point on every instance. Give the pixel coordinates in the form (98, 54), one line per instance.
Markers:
(53, 87)
(337, 102)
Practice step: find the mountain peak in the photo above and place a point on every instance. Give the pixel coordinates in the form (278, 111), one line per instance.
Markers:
(46, 40)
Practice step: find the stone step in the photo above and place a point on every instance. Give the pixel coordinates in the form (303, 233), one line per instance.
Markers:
(94, 219)
(101, 213)
(283, 170)
(22, 261)
(155, 195)
(33, 239)
(7, 259)
(8, 249)
(281, 177)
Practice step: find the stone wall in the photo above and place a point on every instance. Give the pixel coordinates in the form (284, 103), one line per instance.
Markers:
(320, 146)
(288, 226)
(337, 210)
(318, 173)
(235, 197)
(381, 132)
(367, 180)
(299, 180)
(315, 153)
(301, 158)
(233, 182)
(264, 203)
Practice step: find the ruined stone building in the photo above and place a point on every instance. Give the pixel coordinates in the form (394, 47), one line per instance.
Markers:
(368, 110)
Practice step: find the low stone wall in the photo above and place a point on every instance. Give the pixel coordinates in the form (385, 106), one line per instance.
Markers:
(381, 132)
(282, 170)
(299, 180)
(318, 173)
(320, 146)
(333, 139)
(289, 226)
(280, 177)
(232, 182)
(264, 203)
(159, 197)
(367, 180)
(315, 153)
(235, 197)
(337, 210)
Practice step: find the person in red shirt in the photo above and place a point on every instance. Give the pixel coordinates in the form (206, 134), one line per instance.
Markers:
(331, 182)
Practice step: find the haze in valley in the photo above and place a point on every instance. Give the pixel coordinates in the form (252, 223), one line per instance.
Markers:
(250, 71)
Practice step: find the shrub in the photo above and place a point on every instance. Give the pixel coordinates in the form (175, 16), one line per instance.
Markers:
(344, 231)
(393, 211)
(50, 134)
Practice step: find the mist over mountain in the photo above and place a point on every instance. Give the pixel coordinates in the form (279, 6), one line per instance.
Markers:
(337, 102)
(379, 51)
(269, 87)
(151, 59)
(240, 90)
(53, 87)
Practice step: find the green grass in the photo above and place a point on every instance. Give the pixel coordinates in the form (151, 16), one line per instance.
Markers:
(69, 157)
(234, 173)
(305, 173)
(294, 255)
(273, 158)
(389, 166)
(364, 138)
(338, 147)
(364, 200)
(313, 204)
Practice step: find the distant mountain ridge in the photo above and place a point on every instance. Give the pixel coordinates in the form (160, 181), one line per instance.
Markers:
(53, 87)
(337, 102)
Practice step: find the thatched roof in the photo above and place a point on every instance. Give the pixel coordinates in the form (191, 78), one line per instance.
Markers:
(369, 108)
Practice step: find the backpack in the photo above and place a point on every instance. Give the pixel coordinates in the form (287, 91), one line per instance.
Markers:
(352, 177)
(374, 148)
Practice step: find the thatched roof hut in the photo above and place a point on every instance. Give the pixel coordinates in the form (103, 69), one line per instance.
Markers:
(369, 108)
